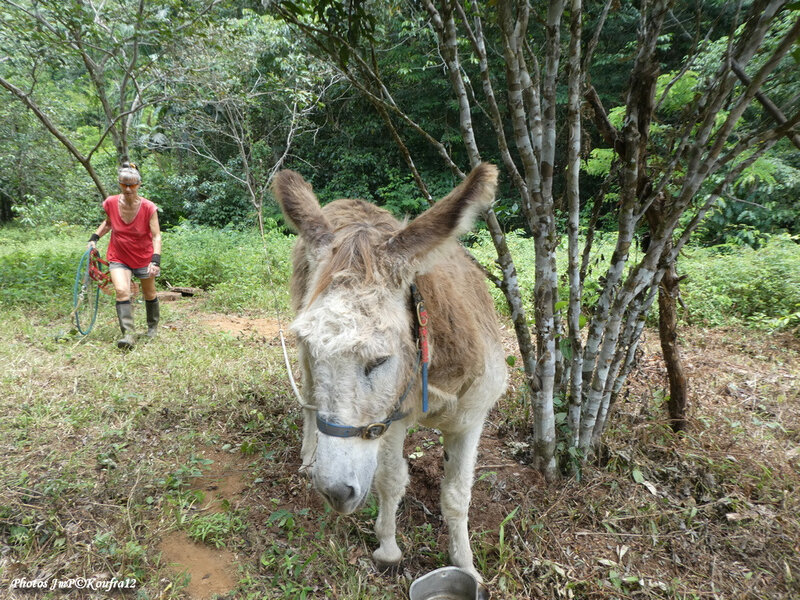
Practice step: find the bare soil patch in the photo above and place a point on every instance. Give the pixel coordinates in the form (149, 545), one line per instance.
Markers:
(243, 326)
(210, 571)
(223, 480)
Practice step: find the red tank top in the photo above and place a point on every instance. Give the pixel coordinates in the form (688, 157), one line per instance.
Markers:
(131, 243)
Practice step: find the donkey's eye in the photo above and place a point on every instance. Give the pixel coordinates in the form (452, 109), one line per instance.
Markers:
(372, 365)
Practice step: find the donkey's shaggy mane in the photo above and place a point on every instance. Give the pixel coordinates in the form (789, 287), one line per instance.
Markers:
(353, 259)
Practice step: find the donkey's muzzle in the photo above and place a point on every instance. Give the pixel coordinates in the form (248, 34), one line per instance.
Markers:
(343, 498)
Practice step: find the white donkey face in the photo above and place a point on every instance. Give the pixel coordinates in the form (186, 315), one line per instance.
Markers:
(361, 355)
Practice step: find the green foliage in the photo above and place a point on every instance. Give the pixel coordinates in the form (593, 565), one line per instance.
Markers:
(680, 94)
(401, 195)
(228, 260)
(175, 194)
(725, 284)
(733, 283)
(763, 201)
(80, 210)
(38, 265)
(599, 162)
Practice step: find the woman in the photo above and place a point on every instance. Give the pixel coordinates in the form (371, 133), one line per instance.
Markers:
(135, 249)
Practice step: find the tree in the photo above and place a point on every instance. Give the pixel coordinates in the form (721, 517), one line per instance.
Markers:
(519, 104)
(248, 94)
(23, 157)
(116, 50)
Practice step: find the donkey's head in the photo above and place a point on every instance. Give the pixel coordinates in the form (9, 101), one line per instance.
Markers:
(355, 324)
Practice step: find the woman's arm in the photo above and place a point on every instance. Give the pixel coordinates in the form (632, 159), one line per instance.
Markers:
(103, 229)
(155, 231)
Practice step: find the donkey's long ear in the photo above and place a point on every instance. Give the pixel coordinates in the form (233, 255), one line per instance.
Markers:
(449, 218)
(301, 209)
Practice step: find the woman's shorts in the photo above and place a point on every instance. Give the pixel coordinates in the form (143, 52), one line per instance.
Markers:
(141, 273)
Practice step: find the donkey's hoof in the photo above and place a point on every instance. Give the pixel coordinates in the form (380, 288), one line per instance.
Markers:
(386, 558)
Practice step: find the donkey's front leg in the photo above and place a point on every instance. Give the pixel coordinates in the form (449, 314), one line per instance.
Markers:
(391, 479)
(461, 452)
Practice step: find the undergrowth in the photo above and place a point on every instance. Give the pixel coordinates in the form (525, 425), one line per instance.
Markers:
(723, 285)
(102, 459)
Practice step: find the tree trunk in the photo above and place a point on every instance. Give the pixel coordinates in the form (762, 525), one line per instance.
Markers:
(668, 332)
(6, 203)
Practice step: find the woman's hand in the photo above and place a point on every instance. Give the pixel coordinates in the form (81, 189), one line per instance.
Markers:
(91, 245)
(154, 270)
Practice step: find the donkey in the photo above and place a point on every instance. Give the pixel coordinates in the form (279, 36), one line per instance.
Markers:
(394, 327)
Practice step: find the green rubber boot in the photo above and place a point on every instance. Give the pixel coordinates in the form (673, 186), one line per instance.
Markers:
(125, 316)
(153, 314)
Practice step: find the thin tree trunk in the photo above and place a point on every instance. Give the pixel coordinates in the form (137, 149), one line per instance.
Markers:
(6, 203)
(625, 357)
(668, 332)
(575, 382)
(444, 24)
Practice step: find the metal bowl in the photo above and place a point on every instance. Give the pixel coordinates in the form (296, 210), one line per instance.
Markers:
(448, 583)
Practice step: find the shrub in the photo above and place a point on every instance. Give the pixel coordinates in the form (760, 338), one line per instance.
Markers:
(725, 284)
(728, 283)
(205, 257)
(38, 265)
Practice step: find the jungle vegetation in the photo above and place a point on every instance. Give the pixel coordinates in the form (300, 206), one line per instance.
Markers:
(624, 131)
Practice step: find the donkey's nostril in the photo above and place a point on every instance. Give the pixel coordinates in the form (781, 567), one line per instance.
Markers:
(340, 495)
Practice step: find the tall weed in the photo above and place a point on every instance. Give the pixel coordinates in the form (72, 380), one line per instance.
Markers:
(739, 284)
(37, 266)
(724, 284)
(243, 270)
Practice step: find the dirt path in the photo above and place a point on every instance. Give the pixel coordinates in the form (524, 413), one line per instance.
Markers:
(237, 326)
(209, 570)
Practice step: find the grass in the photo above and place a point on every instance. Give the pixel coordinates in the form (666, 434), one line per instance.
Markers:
(102, 457)
(100, 462)
(246, 272)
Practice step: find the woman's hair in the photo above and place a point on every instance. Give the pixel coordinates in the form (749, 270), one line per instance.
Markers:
(129, 170)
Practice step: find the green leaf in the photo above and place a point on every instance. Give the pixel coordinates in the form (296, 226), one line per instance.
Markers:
(566, 348)
(637, 476)
(511, 360)
(599, 162)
